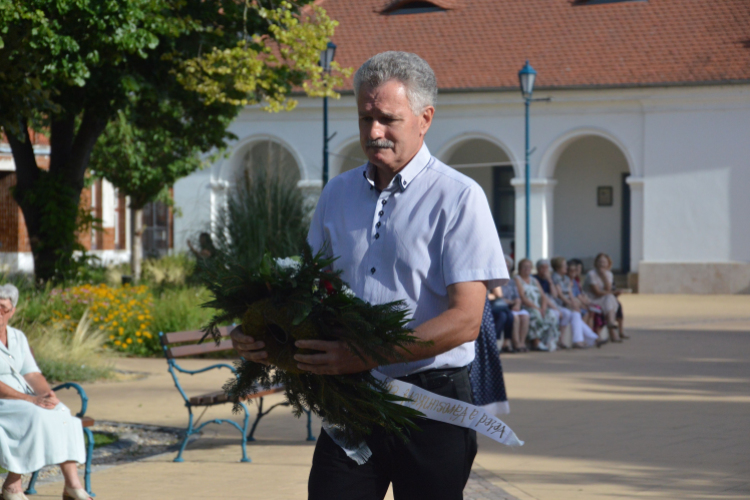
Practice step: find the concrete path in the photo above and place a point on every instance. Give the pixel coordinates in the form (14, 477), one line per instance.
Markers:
(663, 415)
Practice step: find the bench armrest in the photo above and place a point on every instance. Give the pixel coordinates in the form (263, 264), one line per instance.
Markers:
(194, 372)
(81, 394)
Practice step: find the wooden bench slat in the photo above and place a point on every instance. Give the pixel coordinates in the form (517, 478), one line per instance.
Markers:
(219, 397)
(193, 349)
(192, 336)
(87, 422)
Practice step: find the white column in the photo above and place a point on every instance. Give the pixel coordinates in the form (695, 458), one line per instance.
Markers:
(636, 221)
(542, 217)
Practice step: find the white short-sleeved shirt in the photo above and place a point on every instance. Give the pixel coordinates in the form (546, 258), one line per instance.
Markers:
(431, 228)
(16, 361)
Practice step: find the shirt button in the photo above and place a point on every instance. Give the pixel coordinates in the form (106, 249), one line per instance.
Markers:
(372, 270)
(377, 235)
(384, 202)
(378, 224)
(381, 213)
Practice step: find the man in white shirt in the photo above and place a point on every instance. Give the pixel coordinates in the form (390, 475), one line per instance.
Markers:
(407, 227)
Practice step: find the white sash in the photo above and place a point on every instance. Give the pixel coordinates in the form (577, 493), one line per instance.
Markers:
(438, 408)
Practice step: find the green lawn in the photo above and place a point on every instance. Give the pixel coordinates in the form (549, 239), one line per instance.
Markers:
(104, 438)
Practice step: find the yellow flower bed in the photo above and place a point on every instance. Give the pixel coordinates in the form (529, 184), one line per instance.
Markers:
(124, 313)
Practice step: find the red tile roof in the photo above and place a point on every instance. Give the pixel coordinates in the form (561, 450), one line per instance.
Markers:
(481, 44)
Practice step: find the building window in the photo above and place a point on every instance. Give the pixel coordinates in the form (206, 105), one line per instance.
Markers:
(156, 229)
(602, 2)
(414, 7)
(274, 156)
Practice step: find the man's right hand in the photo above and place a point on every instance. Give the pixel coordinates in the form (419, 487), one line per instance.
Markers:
(247, 347)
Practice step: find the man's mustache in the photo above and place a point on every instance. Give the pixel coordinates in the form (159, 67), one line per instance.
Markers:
(380, 144)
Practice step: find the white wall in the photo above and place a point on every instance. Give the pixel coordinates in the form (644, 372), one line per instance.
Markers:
(697, 182)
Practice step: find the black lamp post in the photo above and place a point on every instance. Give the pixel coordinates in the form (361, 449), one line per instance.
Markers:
(326, 58)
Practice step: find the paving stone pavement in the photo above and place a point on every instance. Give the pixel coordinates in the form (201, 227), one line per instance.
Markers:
(662, 416)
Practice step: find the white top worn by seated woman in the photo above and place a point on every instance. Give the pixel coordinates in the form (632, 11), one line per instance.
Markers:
(31, 436)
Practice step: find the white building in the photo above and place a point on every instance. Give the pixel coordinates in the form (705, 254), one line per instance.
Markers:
(643, 151)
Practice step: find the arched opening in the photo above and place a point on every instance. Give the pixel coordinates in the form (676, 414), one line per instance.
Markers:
(492, 169)
(592, 202)
(272, 155)
(348, 158)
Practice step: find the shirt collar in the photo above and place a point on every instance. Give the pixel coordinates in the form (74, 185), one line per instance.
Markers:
(406, 175)
(2, 346)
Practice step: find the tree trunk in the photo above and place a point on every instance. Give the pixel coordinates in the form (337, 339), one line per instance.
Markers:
(49, 199)
(136, 242)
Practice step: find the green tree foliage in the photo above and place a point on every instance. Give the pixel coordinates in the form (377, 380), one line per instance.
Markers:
(178, 69)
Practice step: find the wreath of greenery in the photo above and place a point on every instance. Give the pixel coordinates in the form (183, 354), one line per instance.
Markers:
(284, 300)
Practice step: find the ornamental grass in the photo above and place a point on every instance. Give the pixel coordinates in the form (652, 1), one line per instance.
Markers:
(78, 356)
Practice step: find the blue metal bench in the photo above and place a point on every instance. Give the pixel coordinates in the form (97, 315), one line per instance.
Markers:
(86, 422)
(182, 344)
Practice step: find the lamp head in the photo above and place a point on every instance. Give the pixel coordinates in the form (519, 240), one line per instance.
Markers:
(526, 78)
(326, 56)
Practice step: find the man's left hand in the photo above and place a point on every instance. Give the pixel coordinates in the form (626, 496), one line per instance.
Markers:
(335, 358)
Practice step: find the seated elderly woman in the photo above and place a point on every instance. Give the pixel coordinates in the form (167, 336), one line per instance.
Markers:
(544, 328)
(599, 286)
(507, 311)
(562, 287)
(36, 429)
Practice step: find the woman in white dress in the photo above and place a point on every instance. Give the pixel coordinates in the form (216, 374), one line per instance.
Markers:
(36, 429)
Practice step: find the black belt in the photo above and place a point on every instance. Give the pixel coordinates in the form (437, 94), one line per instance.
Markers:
(435, 378)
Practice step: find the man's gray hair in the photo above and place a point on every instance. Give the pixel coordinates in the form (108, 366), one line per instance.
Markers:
(9, 292)
(405, 67)
(542, 262)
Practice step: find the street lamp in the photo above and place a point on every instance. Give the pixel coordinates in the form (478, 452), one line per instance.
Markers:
(526, 78)
(326, 58)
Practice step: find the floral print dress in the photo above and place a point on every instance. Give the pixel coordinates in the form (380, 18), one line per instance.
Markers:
(545, 328)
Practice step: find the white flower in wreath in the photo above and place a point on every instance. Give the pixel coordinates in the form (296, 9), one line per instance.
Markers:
(288, 263)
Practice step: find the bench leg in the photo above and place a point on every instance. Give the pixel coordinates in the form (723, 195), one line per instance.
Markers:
(188, 433)
(310, 436)
(244, 434)
(30, 490)
(89, 456)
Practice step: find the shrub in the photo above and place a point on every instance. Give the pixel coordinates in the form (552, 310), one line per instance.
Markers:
(129, 317)
(66, 357)
(176, 310)
(124, 313)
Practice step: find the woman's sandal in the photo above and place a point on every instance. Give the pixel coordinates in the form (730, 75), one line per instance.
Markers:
(77, 494)
(7, 495)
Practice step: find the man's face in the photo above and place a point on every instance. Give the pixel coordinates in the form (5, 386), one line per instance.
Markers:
(390, 134)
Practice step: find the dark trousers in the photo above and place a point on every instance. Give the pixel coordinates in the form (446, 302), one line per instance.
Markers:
(503, 317)
(434, 464)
